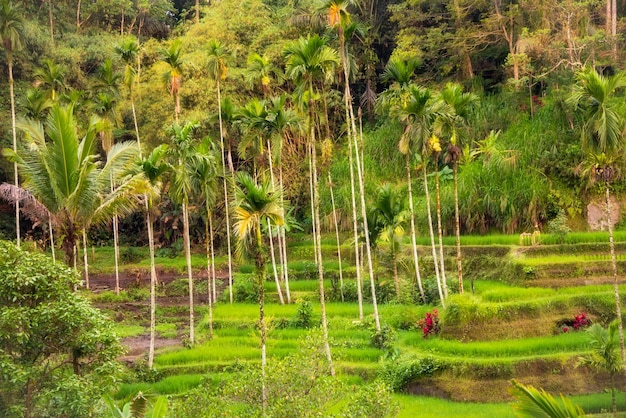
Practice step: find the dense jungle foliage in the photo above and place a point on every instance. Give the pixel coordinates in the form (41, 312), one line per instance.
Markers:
(519, 149)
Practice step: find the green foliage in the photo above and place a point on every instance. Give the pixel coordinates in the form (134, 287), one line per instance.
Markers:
(371, 401)
(383, 339)
(304, 315)
(43, 376)
(538, 403)
(558, 227)
(399, 373)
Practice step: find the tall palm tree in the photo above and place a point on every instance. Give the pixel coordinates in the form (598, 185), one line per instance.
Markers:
(63, 175)
(11, 32)
(184, 163)
(254, 204)
(602, 134)
(459, 104)
(152, 168)
(51, 77)
(128, 51)
(218, 70)
(35, 104)
(260, 72)
(309, 62)
(173, 76)
(393, 215)
(418, 112)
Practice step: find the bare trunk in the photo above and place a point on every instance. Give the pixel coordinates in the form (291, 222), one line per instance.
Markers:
(418, 277)
(189, 271)
(269, 229)
(432, 236)
(77, 15)
(116, 254)
(618, 304)
(332, 199)
(213, 276)
(51, 21)
(442, 271)
(14, 133)
(197, 11)
(285, 268)
(230, 257)
(260, 271)
(209, 250)
(457, 227)
(85, 259)
(54, 259)
(153, 280)
(355, 229)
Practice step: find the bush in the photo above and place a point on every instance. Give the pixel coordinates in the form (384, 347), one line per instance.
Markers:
(399, 373)
(245, 290)
(384, 338)
(304, 315)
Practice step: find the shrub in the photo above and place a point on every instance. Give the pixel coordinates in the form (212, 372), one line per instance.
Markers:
(384, 338)
(430, 324)
(399, 373)
(304, 315)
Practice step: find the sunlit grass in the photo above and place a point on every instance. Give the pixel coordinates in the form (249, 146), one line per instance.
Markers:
(170, 385)
(426, 407)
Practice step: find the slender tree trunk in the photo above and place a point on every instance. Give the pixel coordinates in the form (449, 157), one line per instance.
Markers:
(209, 248)
(51, 21)
(213, 275)
(228, 243)
(285, 269)
(355, 229)
(312, 192)
(396, 279)
(332, 199)
(85, 259)
(54, 259)
(189, 271)
(273, 255)
(432, 236)
(260, 272)
(197, 11)
(618, 304)
(418, 277)
(14, 133)
(153, 280)
(442, 271)
(457, 227)
(116, 254)
(613, 399)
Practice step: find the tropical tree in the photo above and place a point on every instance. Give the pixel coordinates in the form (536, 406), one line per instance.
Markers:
(418, 112)
(254, 204)
(604, 354)
(309, 62)
(218, 70)
(184, 165)
(459, 104)
(173, 76)
(602, 136)
(260, 72)
(537, 403)
(51, 77)
(62, 175)
(128, 51)
(11, 33)
(393, 215)
(35, 104)
(152, 168)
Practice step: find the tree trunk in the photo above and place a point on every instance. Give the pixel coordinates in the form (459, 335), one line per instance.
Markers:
(15, 173)
(260, 272)
(418, 277)
(457, 227)
(209, 250)
(54, 259)
(228, 244)
(269, 229)
(396, 279)
(332, 200)
(442, 271)
(189, 271)
(197, 11)
(355, 228)
(153, 280)
(213, 276)
(85, 259)
(51, 21)
(618, 305)
(432, 236)
(285, 267)
(116, 254)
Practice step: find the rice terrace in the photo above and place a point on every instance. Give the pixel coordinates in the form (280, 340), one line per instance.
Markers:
(307, 208)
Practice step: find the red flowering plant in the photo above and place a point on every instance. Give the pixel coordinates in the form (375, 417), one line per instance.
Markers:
(579, 322)
(430, 324)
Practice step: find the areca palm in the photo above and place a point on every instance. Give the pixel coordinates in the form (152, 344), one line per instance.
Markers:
(418, 114)
(309, 62)
(602, 135)
(218, 70)
(11, 32)
(184, 156)
(256, 203)
(51, 76)
(458, 104)
(173, 76)
(61, 172)
(128, 51)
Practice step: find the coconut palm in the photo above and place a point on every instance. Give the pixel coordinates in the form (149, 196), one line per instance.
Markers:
(310, 62)
(256, 203)
(218, 70)
(458, 104)
(602, 136)
(173, 76)
(418, 113)
(184, 164)
(605, 354)
(61, 172)
(11, 32)
(152, 168)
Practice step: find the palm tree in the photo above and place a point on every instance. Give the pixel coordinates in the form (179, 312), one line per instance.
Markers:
(260, 72)
(538, 403)
(51, 77)
(152, 168)
(605, 354)
(35, 104)
(417, 113)
(393, 215)
(173, 76)
(309, 61)
(458, 104)
(218, 70)
(61, 173)
(11, 32)
(184, 156)
(256, 203)
(128, 51)
(602, 135)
